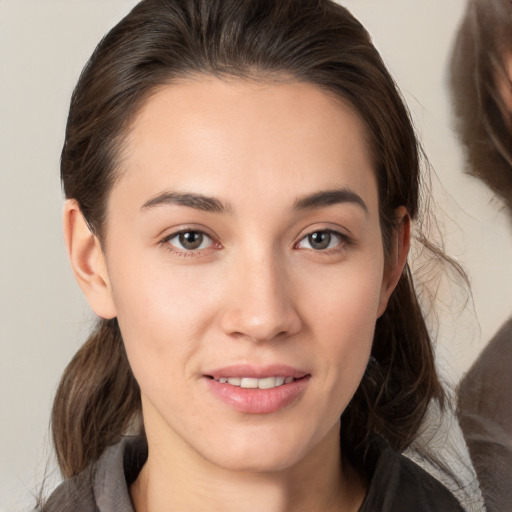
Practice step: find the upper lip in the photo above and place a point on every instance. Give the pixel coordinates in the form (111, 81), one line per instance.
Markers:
(257, 372)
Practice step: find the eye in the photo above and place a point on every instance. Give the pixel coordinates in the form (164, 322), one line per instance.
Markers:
(322, 240)
(189, 240)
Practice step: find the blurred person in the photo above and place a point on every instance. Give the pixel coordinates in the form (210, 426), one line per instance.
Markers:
(481, 87)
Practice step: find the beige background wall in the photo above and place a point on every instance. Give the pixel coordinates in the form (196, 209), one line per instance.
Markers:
(43, 319)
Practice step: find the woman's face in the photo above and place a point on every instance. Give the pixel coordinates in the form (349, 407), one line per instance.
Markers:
(245, 266)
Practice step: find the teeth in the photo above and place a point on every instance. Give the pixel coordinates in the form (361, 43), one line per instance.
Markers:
(268, 383)
(249, 383)
(253, 383)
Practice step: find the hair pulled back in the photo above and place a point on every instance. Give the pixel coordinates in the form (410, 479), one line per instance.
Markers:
(314, 41)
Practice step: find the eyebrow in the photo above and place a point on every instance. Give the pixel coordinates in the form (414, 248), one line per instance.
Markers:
(204, 203)
(196, 201)
(328, 198)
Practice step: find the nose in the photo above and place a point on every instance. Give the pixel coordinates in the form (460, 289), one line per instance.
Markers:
(261, 305)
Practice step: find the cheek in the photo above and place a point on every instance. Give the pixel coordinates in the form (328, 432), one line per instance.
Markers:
(342, 315)
(346, 300)
(162, 314)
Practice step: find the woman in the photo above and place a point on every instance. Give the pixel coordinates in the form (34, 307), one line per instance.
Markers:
(481, 84)
(240, 181)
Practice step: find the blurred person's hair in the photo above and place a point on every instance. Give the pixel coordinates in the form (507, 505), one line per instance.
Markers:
(480, 70)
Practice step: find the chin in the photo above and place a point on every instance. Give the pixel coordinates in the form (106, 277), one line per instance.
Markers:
(261, 461)
(273, 450)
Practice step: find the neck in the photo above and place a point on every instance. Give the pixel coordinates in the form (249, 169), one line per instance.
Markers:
(173, 480)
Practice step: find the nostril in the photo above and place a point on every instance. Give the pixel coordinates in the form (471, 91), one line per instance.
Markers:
(261, 321)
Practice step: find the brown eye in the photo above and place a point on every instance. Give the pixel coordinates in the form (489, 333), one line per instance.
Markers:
(190, 240)
(322, 240)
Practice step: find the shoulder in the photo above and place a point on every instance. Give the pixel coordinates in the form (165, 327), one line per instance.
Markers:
(75, 494)
(484, 412)
(400, 485)
(103, 486)
(491, 371)
(484, 409)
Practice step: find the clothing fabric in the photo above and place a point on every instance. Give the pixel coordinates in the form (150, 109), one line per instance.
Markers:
(396, 483)
(485, 417)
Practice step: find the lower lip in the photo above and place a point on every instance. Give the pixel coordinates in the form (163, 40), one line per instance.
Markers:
(258, 401)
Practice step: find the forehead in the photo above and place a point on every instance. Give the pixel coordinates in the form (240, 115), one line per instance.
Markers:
(221, 135)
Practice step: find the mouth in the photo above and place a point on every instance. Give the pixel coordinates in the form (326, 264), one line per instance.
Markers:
(255, 383)
(258, 390)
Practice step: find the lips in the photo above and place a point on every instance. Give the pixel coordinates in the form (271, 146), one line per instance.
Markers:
(256, 372)
(257, 390)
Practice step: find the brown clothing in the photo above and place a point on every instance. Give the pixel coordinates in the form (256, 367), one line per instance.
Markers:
(485, 417)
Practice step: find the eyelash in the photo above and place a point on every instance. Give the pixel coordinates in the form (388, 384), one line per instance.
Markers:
(343, 242)
(184, 252)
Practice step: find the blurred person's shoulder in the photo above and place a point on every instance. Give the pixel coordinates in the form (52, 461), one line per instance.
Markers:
(490, 371)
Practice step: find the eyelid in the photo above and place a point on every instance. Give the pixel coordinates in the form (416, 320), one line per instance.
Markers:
(344, 239)
(182, 251)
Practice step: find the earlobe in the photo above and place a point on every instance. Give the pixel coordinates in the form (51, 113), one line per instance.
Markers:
(87, 260)
(398, 258)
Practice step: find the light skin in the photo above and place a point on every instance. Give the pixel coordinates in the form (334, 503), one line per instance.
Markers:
(243, 230)
(504, 79)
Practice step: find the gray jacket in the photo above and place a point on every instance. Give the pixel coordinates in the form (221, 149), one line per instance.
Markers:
(396, 483)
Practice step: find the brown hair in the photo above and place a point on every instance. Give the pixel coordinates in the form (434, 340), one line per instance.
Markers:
(484, 122)
(315, 41)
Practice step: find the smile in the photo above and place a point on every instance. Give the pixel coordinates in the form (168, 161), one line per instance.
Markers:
(255, 383)
(258, 394)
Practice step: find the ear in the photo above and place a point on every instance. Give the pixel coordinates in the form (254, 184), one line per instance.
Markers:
(399, 251)
(88, 261)
(504, 79)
